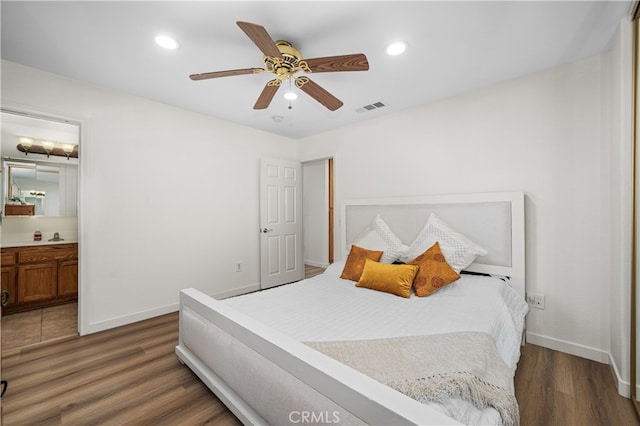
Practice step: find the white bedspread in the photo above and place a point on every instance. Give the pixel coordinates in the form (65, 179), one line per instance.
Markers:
(327, 307)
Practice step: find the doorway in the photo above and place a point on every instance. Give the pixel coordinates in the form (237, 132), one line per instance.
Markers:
(40, 170)
(318, 211)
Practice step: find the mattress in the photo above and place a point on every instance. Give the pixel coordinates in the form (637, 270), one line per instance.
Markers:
(328, 308)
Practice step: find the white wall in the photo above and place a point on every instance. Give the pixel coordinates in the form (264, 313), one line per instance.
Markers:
(146, 230)
(543, 134)
(315, 208)
(620, 202)
(552, 135)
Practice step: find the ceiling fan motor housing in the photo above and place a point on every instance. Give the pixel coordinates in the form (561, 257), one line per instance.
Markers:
(289, 64)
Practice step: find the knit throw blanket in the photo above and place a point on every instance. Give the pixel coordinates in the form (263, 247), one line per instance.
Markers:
(464, 365)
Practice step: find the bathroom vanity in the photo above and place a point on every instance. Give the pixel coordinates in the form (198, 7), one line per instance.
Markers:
(39, 275)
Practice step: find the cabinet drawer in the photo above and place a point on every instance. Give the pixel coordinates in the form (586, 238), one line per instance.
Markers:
(45, 254)
(7, 258)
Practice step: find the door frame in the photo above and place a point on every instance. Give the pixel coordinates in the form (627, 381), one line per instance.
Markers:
(329, 204)
(56, 116)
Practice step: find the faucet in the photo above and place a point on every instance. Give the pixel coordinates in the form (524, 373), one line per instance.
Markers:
(56, 237)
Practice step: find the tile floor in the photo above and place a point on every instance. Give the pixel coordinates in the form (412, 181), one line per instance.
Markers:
(27, 328)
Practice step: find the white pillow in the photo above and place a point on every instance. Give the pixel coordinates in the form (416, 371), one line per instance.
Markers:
(458, 250)
(378, 236)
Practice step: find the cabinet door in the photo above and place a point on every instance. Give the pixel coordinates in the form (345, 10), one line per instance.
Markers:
(37, 281)
(8, 277)
(68, 278)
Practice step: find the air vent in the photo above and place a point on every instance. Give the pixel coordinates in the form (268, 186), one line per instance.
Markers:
(371, 107)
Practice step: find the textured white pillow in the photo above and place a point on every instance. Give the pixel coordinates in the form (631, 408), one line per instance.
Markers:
(458, 250)
(378, 236)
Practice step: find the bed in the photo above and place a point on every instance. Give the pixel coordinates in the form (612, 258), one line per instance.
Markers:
(325, 351)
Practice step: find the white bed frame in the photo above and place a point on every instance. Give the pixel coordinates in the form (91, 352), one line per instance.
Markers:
(243, 362)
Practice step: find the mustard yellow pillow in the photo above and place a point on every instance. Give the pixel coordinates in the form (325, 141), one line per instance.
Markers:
(355, 262)
(394, 279)
(434, 272)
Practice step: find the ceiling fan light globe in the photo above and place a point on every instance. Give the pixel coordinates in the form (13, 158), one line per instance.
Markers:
(291, 96)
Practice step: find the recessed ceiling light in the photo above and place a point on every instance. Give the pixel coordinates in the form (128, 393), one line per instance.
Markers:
(166, 42)
(277, 118)
(396, 48)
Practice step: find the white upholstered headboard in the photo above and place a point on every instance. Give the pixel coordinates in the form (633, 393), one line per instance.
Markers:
(493, 220)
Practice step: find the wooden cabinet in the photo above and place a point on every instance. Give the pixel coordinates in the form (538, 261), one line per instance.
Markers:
(8, 274)
(37, 281)
(39, 276)
(68, 278)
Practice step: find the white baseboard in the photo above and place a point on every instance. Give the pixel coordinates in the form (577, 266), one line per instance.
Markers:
(95, 327)
(317, 264)
(569, 347)
(237, 291)
(624, 387)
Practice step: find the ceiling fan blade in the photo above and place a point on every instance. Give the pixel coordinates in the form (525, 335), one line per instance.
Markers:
(318, 93)
(216, 74)
(355, 62)
(261, 38)
(267, 94)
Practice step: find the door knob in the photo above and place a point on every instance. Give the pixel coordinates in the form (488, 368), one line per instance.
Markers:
(265, 230)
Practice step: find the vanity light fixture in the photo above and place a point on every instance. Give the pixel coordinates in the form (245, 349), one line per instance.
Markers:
(26, 143)
(48, 147)
(31, 145)
(68, 149)
(396, 48)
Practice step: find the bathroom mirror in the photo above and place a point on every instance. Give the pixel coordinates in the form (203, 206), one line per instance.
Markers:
(45, 186)
(33, 183)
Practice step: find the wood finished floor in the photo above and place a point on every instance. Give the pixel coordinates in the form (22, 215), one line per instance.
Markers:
(131, 376)
(554, 388)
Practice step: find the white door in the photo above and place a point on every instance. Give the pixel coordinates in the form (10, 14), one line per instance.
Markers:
(280, 222)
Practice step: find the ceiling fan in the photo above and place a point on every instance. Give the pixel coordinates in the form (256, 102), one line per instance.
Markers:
(283, 60)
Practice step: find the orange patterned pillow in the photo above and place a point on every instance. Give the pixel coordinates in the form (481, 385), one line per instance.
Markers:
(355, 262)
(434, 272)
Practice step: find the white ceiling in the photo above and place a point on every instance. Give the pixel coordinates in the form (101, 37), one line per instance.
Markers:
(454, 47)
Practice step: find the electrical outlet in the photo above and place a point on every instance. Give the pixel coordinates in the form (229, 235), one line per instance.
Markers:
(535, 300)
(239, 267)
